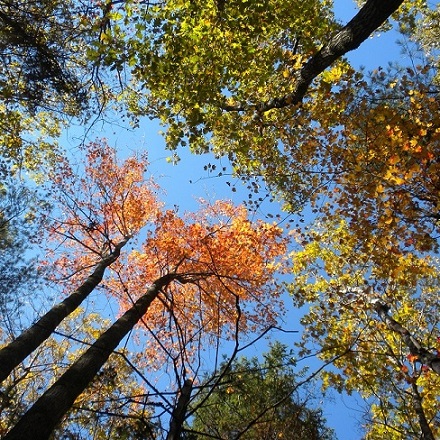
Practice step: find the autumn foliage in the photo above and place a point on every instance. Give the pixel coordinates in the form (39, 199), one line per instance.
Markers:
(266, 86)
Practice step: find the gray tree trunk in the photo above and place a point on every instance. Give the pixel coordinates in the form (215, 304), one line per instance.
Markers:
(41, 419)
(21, 347)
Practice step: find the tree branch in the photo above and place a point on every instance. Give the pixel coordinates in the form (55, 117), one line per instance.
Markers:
(373, 14)
(414, 346)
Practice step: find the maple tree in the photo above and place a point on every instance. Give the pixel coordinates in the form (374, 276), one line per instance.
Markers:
(194, 268)
(102, 221)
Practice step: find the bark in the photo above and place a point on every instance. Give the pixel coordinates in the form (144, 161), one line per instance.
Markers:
(179, 413)
(21, 347)
(423, 422)
(41, 419)
(372, 15)
(414, 346)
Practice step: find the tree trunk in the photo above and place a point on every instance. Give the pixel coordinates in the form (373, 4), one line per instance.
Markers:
(423, 421)
(179, 412)
(414, 346)
(21, 347)
(41, 419)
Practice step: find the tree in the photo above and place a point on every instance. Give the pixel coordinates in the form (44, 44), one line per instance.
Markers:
(380, 320)
(194, 268)
(108, 408)
(255, 399)
(254, 64)
(100, 216)
(47, 81)
(362, 150)
(265, 83)
(17, 225)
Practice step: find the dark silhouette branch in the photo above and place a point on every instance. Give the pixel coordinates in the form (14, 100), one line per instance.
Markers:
(179, 413)
(371, 16)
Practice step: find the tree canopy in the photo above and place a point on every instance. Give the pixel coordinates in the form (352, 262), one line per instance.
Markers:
(351, 155)
(257, 400)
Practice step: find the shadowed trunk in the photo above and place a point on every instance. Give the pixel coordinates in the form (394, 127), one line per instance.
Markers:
(20, 348)
(41, 419)
(179, 412)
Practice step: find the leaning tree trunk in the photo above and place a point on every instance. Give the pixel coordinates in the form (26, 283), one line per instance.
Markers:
(41, 419)
(21, 347)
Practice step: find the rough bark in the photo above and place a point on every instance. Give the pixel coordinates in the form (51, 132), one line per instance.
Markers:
(370, 17)
(41, 419)
(21, 347)
(414, 346)
(423, 422)
(179, 412)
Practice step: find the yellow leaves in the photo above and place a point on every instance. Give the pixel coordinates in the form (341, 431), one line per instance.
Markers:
(334, 74)
(392, 176)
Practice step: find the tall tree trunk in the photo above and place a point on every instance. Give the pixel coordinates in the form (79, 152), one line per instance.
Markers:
(423, 421)
(21, 347)
(41, 419)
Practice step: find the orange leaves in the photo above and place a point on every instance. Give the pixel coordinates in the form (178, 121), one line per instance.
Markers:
(227, 263)
(107, 203)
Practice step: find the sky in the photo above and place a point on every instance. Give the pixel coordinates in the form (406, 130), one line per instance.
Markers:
(187, 181)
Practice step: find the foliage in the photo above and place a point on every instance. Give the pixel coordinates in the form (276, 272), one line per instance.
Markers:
(111, 407)
(215, 271)
(342, 281)
(265, 83)
(256, 399)
(378, 168)
(18, 273)
(46, 79)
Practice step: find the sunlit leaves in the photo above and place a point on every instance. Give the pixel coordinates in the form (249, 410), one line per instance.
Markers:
(342, 279)
(232, 262)
(110, 202)
(193, 60)
(228, 263)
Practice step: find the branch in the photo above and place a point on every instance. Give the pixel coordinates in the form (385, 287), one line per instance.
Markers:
(414, 346)
(373, 14)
